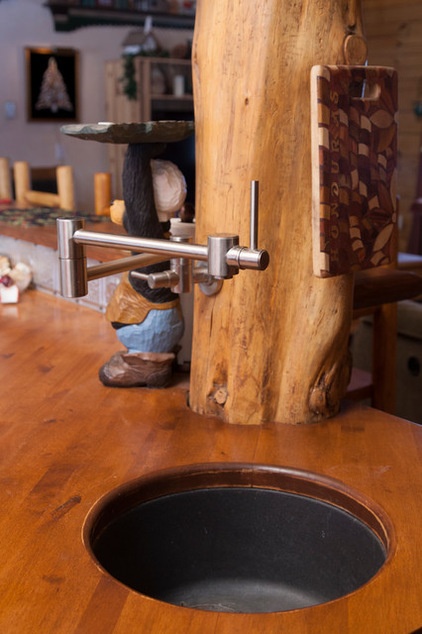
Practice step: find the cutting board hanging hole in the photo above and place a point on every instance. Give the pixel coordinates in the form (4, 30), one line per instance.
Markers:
(364, 89)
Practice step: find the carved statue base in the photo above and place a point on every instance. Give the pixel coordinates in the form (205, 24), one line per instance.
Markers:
(149, 369)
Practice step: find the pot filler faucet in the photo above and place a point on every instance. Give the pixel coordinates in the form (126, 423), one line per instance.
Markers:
(220, 259)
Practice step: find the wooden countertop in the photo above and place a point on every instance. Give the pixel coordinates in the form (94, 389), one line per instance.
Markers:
(65, 440)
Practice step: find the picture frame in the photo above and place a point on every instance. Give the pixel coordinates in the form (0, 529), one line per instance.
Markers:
(52, 85)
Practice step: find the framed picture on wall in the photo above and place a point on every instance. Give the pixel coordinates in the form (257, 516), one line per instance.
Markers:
(52, 84)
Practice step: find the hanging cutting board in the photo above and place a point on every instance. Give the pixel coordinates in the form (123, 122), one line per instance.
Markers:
(354, 155)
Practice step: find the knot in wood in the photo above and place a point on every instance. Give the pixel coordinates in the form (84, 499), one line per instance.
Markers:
(220, 396)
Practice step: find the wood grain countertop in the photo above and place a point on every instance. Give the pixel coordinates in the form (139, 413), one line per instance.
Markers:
(65, 440)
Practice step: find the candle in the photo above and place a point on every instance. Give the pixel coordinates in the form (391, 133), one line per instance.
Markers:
(178, 85)
(102, 193)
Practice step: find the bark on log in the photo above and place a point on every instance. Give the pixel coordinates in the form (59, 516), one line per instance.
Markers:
(273, 345)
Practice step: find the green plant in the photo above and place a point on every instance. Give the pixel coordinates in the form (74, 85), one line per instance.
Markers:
(128, 78)
(130, 87)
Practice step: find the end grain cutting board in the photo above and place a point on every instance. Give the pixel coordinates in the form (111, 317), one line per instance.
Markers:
(354, 150)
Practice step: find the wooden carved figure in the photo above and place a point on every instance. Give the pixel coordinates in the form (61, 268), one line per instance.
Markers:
(148, 322)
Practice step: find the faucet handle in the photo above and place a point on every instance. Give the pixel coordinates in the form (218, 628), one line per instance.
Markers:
(164, 279)
(252, 257)
(254, 215)
(226, 257)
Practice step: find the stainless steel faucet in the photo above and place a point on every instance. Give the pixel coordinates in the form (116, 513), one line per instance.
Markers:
(221, 257)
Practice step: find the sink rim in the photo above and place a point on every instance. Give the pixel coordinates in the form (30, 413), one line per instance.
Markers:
(197, 476)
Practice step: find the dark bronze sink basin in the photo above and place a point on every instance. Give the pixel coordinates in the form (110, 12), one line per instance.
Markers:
(238, 538)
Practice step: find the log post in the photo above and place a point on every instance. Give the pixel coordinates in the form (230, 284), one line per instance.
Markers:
(272, 345)
(102, 193)
(5, 180)
(65, 187)
(22, 178)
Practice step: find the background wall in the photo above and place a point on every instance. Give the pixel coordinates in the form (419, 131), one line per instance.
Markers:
(27, 23)
(393, 28)
(394, 32)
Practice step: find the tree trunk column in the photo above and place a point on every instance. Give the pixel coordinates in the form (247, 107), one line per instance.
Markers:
(272, 345)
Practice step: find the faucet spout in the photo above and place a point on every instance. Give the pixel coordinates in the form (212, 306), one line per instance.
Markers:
(222, 254)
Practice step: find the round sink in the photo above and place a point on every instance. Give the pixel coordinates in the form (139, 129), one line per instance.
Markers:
(238, 538)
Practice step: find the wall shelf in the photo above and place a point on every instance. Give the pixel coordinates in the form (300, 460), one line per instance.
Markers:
(72, 15)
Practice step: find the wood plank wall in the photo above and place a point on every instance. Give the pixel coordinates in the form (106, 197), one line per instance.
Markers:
(394, 32)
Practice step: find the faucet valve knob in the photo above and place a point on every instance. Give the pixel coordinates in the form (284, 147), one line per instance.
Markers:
(243, 258)
(218, 247)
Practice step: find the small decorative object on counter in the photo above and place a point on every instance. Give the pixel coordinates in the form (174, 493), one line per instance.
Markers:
(13, 280)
